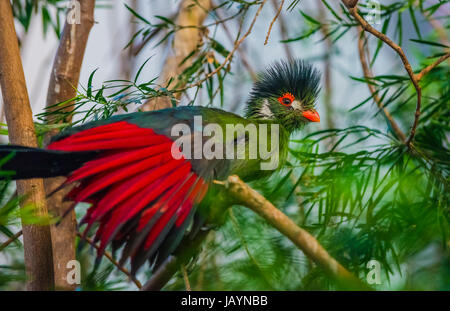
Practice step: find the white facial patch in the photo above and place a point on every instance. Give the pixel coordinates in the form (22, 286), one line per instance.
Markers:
(297, 105)
(265, 111)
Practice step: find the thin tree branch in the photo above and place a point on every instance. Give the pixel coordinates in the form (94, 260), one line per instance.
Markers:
(10, 240)
(351, 5)
(368, 75)
(273, 21)
(36, 238)
(113, 261)
(443, 37)
(430, 67)
(246, 196)
(283, 32)
(185, 278)
(136, 49)
(163, 275)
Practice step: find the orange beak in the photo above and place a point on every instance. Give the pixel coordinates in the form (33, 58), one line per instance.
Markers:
(311, 115)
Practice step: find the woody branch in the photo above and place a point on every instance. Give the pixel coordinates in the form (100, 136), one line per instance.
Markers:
(353, 10)
(64, 79)
(244, 195)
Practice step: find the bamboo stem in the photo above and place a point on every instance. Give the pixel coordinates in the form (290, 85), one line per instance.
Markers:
(36, 238)
(64, 79)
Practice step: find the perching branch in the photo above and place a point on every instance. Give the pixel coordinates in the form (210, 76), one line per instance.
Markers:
(36, 238)
(351, 5)
(64, 79)
(368, 75)
(242, 194)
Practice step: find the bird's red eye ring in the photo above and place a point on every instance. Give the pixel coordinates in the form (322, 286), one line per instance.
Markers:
(286, 99)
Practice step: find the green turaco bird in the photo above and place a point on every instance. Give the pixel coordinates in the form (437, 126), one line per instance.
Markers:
(145, 173)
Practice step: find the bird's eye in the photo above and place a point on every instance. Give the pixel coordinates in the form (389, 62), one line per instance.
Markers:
(286, 99)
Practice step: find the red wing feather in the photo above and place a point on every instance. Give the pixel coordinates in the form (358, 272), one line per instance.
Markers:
(134, 180)
(117, 159)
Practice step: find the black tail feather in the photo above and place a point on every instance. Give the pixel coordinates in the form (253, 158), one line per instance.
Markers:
(30, 162)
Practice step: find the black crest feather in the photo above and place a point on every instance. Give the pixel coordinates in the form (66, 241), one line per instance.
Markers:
(294, 76)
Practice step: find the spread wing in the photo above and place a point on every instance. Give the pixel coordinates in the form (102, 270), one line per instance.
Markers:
(140, 195)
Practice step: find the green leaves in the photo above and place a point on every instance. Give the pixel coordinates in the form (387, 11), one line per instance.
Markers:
(136, 14)
(52, 13)
(310, 19)
(103, 102)
(380, 43)
(413, 19)
(332, 11)
(8, 215)
(219, 48)
(432, 43)
(313, 25)
(346, 185)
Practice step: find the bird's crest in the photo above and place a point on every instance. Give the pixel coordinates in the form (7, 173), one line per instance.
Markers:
(287, 79)
(286, 91)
